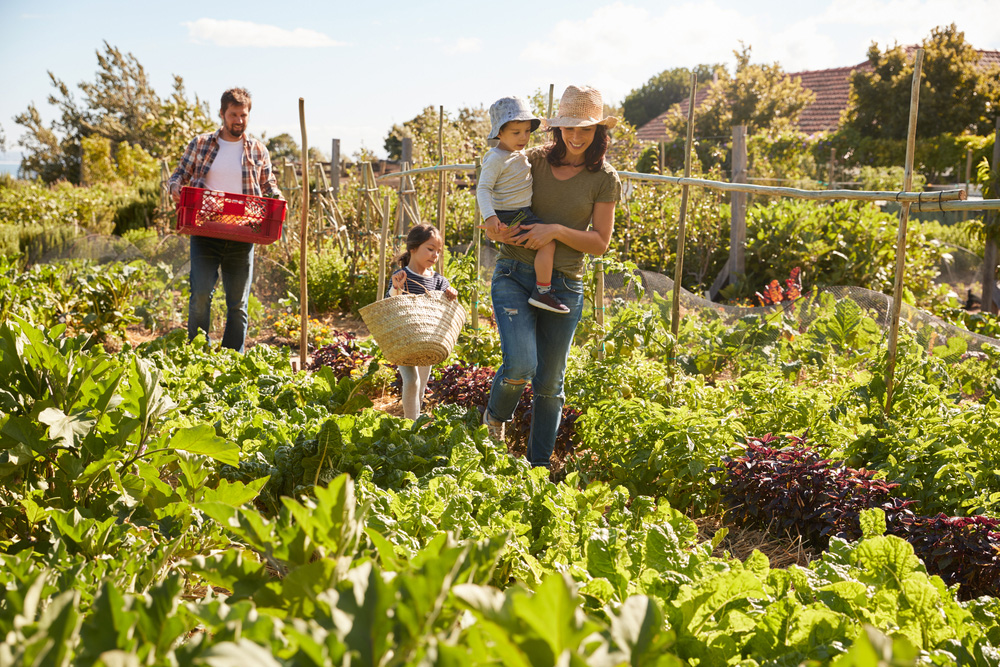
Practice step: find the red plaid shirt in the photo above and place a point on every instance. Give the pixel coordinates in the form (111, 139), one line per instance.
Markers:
(258, 178)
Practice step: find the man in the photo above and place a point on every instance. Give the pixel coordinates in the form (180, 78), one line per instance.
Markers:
(229, 160)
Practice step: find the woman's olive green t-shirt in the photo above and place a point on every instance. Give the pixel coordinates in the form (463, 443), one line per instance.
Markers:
(570, 203)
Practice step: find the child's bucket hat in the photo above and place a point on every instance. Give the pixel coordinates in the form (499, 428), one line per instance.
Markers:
(581, 106)
(507, 109)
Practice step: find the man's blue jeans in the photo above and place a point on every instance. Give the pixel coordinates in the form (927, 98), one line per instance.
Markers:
(235, 260)
(535, 345)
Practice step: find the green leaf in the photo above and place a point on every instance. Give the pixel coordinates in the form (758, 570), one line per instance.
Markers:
(201, 439)
(872, 522)
(67, 429)
(33, 512)
(235, 493)
(241, 653)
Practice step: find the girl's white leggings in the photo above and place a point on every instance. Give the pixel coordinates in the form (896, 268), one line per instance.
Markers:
(414, 386)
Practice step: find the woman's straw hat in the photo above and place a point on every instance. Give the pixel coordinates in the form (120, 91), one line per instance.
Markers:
(581, 106)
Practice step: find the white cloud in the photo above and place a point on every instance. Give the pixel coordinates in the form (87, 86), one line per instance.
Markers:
(465, 45)
(245, 33)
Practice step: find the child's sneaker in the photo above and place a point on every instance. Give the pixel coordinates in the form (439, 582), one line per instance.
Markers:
(547, 301)
(495, 428)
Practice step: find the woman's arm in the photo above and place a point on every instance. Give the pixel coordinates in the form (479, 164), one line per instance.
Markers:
(593, 241)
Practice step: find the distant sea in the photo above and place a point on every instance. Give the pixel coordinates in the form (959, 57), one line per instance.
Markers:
(9, 168)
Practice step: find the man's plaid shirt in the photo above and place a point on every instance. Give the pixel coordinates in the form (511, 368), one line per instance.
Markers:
(258, 178)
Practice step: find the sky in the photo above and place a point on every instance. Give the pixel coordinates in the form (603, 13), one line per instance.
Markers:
(363, 66)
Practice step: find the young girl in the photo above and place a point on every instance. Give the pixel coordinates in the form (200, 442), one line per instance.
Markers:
(417, 276)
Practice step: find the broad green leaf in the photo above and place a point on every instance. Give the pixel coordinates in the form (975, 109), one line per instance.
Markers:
(235, 493)
(872, 522)
(241, 653)
(201, 439)
(67, 429)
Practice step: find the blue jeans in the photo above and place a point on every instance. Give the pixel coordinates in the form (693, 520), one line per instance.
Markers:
(235, 259)
(535, 345)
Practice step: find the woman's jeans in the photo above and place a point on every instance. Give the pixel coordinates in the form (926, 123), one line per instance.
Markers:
(535, 345)
(235, 259)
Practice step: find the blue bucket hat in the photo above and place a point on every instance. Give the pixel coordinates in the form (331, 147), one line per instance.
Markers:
(507, 109)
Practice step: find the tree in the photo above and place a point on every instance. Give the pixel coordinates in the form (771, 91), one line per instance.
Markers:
(283, 146)
(118, 105)
(3, 140)
(661, 92)
(177, 122)
(463, 136)
(762, 97)
(956, 95)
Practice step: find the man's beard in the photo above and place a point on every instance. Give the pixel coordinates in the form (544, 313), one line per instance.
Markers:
(236, 131)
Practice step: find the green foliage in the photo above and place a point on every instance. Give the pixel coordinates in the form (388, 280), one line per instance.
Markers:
(880, 97)
(888, 179)
(661, 92)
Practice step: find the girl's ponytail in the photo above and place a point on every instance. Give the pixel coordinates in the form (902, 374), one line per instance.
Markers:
(403, 259)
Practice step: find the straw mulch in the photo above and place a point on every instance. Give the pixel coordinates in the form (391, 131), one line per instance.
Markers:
(782, 550)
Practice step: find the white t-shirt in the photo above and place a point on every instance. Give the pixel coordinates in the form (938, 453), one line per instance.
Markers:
(226, 172)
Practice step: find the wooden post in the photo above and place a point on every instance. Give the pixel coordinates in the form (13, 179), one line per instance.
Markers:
(476, 239)
(738, 221)
(989, 300)
(440, 219)
(381, 253)
(904, 214)
(335, 168)
(830, 168)
(552, 90)
(968, 177)
(662, 157)
(675, 306)
(303, 234)
(406, 153)
(599, 301)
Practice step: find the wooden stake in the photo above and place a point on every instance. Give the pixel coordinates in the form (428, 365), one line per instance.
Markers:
(440, 219)
(303, 234)
(989, 301)
(904, 214)
(381, 252)
(675, 306)
(552, 90)
(738, 212)
(599, 301)
(335, 167)
(476, 239)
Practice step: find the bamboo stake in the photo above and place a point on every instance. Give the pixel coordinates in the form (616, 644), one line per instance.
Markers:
(552, 89)
(856, 195)
(303, 234)
(476, 239)
(441, 185)
(381, 253)
(904, 214)
(675, 306)
(974, 205)
(429, 170)
(599, 302)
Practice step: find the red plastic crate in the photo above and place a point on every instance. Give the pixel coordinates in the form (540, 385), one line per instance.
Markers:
(225, 215)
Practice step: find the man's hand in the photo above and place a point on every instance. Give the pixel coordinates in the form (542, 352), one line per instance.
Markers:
(175, 194)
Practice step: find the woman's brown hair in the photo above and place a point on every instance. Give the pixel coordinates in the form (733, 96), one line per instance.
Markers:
(593, 158)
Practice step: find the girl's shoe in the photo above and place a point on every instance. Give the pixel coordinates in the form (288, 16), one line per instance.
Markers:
(547, 301)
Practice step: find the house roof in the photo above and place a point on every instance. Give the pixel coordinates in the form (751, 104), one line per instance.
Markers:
(832, 88)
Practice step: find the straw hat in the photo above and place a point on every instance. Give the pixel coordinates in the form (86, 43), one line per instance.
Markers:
(581, 106)
(507, 109)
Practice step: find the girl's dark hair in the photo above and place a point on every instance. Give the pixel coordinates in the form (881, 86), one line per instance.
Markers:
(593, 158)
(416, 237)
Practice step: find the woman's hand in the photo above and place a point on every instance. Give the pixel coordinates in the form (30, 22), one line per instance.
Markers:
(451, 293)
(538, 235)
(399, 281)
(499, 232)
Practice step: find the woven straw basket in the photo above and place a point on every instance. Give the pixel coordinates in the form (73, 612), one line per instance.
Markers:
(415, 329)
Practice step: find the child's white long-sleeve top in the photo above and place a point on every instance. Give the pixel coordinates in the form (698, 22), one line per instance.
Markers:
(504, 182)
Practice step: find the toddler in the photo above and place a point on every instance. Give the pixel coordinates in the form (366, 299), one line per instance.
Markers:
(504, 188)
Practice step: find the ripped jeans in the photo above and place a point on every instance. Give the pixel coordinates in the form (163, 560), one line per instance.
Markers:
(535, 345)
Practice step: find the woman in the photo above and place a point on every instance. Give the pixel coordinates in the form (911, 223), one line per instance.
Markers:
(575, 192)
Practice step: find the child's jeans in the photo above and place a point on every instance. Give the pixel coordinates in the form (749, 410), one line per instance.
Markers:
(414, 386)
